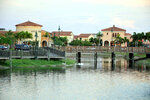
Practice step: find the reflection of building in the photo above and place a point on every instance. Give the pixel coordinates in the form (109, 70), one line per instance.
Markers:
(120, 64)
(110, 33)
(84, 37)
(31, 28)
(67, 34)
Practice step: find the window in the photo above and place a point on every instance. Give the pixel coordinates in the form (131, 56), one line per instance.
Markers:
(113, 35)
(107, 33)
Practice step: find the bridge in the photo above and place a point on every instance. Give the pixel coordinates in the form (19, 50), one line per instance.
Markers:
(89, 49)
(40, 53)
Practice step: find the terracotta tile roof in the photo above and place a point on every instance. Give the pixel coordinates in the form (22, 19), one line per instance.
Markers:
(45, 31)
(76, 36)
(3, 32)
(127, 34)
(61, 33)
(113, 28)
(28, 23)
(84, 35)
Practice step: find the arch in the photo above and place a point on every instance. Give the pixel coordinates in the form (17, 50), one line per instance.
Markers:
(44, 44)
(106, 43)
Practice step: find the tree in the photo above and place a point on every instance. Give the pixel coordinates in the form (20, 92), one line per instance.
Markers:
(126, 40)
(60, 40)
(147, 36)
(99, 35)
(119, 40)
(8, 38)
(22, 35)
(94, 40)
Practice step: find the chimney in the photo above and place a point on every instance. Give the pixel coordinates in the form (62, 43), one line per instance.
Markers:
(113, 25)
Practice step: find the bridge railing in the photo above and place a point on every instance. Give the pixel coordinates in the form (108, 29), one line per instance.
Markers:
(105, 49)
(59, 52)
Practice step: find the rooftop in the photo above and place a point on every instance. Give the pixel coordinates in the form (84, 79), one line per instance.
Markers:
(28, 23)
(113, 29)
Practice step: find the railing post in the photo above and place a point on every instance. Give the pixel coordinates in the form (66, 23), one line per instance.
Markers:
(48, 54)
(21, 56)
(112, 61)
(78, 57)
(10, 58)
(131, 60)
(95, 60)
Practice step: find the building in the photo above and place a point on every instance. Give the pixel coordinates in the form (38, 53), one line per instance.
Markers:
(46, 41)
(67, 34)
(84, 36)
(110, 33)
(32, 28)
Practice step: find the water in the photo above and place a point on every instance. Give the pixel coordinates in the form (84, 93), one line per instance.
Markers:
(78, 83)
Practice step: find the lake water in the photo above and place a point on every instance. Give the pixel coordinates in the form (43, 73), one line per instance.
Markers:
(87, 82)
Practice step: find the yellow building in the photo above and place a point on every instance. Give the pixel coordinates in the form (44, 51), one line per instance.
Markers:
(32, 28)
(84, 37)
(110, 33)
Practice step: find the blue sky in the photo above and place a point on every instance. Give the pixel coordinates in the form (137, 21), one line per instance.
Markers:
(79, 16)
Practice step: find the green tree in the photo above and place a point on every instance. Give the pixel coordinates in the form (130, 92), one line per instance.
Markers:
(22, 35)
(119, 40)
(99, 35)
(125, 40)
(60, 40)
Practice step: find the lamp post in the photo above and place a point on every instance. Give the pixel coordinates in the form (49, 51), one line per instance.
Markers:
(59, 30)
(54, 40)
(80, 41)
(111, 36)
(36, 47)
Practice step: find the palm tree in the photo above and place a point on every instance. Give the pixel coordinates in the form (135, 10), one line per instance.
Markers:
(99, 35)
(47, 35)
(126, 40)
(9, 38)
(147, 36)
(23, 35)
(120, 40)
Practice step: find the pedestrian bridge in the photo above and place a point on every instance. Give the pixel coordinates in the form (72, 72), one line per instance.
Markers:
(45, 53)
(88, 49)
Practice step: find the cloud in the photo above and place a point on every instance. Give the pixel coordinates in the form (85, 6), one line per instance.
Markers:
(131, 3)
(125, 23)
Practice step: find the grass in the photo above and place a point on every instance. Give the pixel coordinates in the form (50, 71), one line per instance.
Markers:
(36, 63)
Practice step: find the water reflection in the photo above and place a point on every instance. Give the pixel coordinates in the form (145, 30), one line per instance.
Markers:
(106, 81)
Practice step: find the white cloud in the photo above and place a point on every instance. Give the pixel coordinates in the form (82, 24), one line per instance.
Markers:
(131, 3)
(125, 23)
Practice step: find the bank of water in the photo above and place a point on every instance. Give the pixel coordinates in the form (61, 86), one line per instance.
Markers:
(86, 82)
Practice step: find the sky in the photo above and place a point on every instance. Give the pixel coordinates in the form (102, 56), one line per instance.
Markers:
(78, 16)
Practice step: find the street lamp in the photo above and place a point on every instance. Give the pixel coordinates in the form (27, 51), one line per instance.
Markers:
(80, 41)
(59, 30)
(112, 36)
(54, 39)
(36, 47)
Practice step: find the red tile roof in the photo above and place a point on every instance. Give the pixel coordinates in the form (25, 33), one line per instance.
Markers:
(76, 36)
(113, 28)
(61, 33)
(127, 34)
(28, 23)
(45, 31)
(84, 35)
(3, 32)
